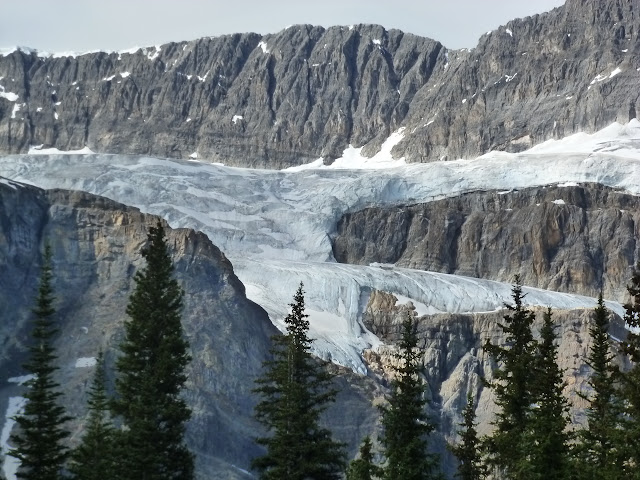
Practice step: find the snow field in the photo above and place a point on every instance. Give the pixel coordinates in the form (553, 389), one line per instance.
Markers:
(275, 226)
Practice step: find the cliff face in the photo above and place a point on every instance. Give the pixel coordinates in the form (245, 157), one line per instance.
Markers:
(307, 92)
(96, 245)
(455, 362)
(579, 239)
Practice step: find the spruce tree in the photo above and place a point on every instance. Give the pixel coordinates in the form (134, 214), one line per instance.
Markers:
(513, 388)
(151, 373)
(404, 420)
(630, 380)
(548, 438)
(598, 450)
(468, 450)
(95, 458)
(364, 468)
(39, 441)
(295, 390)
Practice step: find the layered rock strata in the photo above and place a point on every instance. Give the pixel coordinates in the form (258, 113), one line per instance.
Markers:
(307, 92)
(577, 239)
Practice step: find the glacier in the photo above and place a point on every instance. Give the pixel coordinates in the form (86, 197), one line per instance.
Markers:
(276, 226)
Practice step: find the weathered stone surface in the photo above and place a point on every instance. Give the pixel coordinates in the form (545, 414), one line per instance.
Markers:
(580, 239)
(96, 245)
(307, 92)
(455, 361)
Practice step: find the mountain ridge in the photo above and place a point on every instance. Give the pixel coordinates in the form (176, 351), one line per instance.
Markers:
(307, 92)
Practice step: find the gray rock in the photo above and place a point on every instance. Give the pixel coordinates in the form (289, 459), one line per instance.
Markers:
(306, 92)
(455, 361)
(96, 245)
(571, 239)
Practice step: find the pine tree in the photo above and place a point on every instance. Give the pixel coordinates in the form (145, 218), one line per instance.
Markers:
(630, 381)
(364, 468)
(94, 458)
(513, 387)
(404, 420)
(598, 450)
(151, 373)
(468, 452)
(38, 443)
(295, 390)
(548, 438)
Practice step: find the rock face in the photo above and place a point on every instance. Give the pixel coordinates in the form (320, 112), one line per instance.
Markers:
(96, 244)
(579, 239)
(455, 361)
(306, 92)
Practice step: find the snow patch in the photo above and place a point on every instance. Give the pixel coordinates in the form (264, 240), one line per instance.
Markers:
(108, 79)
(237, 118)
(376, 41)
(194, 156)
(21, 380)
(38, 150)
(12, 97)
(559, 202)
(264, 47)
(16, 109)
(125, 74)
(508, 30)
(15, 407)
(84, 362)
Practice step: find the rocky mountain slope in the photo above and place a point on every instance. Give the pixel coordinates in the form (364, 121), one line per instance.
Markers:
(306, 92)
(455, 360)
(96, 244)
(580, 239)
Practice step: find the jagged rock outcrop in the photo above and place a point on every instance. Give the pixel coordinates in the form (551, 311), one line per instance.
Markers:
(578, 239)
(96, 250)
(455, 361)
(306, 92)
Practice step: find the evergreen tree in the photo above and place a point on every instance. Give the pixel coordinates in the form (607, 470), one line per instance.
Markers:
(513, 387)
(364, 468)
(548, 438)
(404, 420)
(599, 450)
(630, 381)
(38, 443)
(94, 458)
(468, 450)
(151, 373)
(295, 390)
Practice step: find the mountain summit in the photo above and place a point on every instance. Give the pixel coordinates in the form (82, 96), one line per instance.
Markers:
(307, 92)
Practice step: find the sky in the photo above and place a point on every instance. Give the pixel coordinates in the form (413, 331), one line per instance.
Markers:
(82, 25)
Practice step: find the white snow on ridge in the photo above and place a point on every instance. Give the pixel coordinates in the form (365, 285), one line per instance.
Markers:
(275, 225)
(264, 47)
(38, 150)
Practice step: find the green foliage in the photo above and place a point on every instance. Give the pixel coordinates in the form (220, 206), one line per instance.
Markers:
(151, 373)
(599, 450)
(38, 443)
(630, 381)
(404, 420)
(364, 468)
(468, 450)
(94, 458)
(295, 390)
(548, 438)
(513, 386)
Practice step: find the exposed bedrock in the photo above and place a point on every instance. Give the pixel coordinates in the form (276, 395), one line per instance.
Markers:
(307, 92)
(578, 239)
(96, 251)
